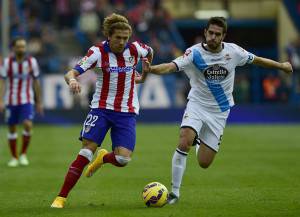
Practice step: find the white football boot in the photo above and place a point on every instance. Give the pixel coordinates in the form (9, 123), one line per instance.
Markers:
(13, 162)
(23, 160)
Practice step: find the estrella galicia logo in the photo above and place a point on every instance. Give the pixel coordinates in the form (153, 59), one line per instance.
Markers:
(215, 73)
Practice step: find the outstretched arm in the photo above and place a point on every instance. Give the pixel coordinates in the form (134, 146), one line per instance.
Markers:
(164, 68)
(70, 78)
(268, 63)
(161, 69)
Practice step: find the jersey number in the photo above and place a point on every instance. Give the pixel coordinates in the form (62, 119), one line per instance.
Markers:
(90, 120)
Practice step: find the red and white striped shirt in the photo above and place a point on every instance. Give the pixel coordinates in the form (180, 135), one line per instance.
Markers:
(115, 87)
(19, 78)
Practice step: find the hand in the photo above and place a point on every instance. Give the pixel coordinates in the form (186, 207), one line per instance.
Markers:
(287, 67)
(138, 78)
(1, 106)
(145, 65)
(74, 86)
(39, 109)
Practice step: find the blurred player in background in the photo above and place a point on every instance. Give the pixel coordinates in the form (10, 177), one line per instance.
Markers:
(114, 105)
(210, 67)
(19, 90)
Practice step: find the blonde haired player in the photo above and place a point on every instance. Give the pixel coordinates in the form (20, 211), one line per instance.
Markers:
(114, 105)
(210, 67)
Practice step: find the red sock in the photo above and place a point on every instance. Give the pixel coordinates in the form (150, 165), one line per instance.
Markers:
(111, 158)
(73, 175)
(13, 147)
(26, 140)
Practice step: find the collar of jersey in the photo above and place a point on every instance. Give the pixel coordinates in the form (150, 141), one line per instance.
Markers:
(202, 44)
(26, 57)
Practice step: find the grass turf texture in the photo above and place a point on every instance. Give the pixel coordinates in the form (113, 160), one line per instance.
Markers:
(256, 173)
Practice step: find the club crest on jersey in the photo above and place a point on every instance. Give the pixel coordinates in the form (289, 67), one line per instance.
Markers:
(187, 52)
(83, 60)
(227, 57)
(215, 73)
(130, 59)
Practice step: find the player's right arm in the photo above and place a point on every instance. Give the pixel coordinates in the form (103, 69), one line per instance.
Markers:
(164, 68)
(70, 78)
(89, 61)
(179, 64)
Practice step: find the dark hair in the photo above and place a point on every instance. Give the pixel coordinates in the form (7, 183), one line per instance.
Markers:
(219, 21)
(18, 38)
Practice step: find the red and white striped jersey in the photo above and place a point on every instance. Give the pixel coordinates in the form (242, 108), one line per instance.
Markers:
(19, 78)
(115, 87)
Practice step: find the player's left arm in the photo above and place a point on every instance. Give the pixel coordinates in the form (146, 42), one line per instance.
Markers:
(3, 76)
(268, 63)
(38, 96)
(141, 78)
(37, 86)
(2, 90)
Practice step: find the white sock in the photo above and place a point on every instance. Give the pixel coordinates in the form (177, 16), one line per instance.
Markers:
(178, 168)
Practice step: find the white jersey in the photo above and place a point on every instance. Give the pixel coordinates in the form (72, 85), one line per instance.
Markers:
(115, 87)
(212, 74)
(19, 77)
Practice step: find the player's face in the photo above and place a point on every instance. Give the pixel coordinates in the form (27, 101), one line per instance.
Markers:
(20, 47)
(118, 40)
(214, 36)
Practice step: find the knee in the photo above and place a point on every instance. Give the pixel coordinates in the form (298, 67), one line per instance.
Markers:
(122, 160)
(185, 144)
(204, 164)
(27, 126)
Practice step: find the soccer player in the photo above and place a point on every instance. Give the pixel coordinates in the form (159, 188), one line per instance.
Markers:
(114, 105)
(19, 90)
(210, 67)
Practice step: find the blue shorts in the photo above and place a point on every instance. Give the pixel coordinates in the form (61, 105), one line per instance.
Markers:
(121, 125)
(19, 113)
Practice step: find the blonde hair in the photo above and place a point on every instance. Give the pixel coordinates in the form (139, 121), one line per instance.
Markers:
(115, 21)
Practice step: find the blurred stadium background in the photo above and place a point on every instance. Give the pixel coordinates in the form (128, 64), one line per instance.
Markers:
(266, 183)
(60, 31)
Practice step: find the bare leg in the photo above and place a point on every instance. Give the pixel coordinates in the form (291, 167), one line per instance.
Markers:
(206, 156)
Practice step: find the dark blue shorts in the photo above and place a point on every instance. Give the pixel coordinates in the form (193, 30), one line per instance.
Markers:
(121, 125)
(17, 114)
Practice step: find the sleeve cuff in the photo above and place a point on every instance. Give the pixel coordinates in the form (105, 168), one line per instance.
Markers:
(176, 65)
(78, 69)
(250, 58)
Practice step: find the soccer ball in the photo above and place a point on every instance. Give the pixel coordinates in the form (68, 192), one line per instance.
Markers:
(155, 194)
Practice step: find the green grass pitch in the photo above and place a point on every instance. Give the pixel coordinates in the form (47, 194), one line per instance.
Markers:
(256, 173)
